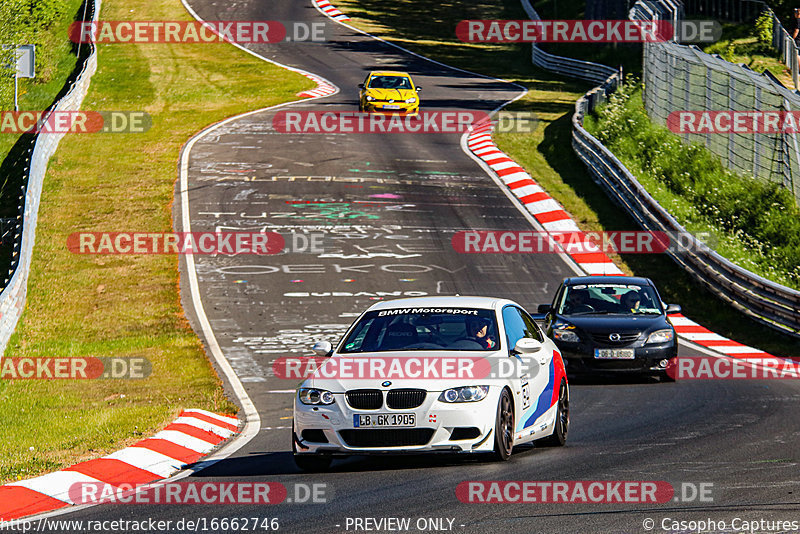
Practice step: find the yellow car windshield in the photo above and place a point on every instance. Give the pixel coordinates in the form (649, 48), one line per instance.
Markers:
(389, 82)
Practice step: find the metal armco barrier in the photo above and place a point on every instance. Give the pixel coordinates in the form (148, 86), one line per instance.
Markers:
(12, 298)
(574, 68)
(767, 302)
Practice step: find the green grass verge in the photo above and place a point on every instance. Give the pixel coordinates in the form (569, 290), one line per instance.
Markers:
(122, 306)
(428, 27)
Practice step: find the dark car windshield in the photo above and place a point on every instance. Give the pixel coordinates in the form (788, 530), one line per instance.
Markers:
(463, 329)
(389, 82)
(625, 299)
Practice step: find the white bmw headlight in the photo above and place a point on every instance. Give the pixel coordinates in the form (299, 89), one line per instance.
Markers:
(411, 100)
(661, 336)
(464, 394)
(315, 396)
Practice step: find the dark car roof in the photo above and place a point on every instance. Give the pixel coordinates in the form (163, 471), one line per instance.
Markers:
(575, 280)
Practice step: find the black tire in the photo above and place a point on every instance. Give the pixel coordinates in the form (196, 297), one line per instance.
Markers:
(313, 462)
(504, 427)
(559, 435)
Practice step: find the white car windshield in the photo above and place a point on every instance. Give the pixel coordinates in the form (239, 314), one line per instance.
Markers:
(624, 299)
(461, 329)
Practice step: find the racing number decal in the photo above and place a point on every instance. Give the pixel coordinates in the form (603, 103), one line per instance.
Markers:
(526, 395)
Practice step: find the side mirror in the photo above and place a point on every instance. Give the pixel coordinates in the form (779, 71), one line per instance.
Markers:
(527, 345)
(361, 86)
(544, 308)
(418, 89)
(322, 348)
(673, 308)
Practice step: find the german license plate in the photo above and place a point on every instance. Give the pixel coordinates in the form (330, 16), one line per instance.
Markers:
(614, 354)
(384, 420)
(391, 106)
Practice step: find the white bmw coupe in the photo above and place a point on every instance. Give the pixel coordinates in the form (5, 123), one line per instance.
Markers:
(453, 374)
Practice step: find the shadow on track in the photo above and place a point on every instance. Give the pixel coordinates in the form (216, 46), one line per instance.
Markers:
(282, 463)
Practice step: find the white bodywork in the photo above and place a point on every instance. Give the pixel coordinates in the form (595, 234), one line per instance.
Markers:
(534, 387)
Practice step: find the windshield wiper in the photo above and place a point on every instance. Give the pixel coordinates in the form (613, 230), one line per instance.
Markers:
(593, 312)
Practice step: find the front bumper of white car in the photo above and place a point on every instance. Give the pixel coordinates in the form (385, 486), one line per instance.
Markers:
(438, 426)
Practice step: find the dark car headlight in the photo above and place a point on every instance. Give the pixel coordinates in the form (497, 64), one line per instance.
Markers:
(313, 396)
(464, 394)
(661, 336)
(563, 331)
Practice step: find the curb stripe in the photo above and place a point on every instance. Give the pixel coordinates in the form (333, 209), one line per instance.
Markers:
(203, 425)
(185, 440)
(231, 423)
(113, 472)
(193, 431)
(193, 434)
(516, 176)
(691, 331)
(27, 501)
(159, 464)
(55, 485)
(170, 449)
(330, 10)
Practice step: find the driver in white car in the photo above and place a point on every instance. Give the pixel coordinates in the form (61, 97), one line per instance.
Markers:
(478, 331)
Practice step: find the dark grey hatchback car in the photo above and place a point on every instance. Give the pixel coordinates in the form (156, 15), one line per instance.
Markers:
(611, 324)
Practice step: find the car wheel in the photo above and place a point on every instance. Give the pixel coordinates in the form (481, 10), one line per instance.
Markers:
(559, 435)
(504, 427)
(313, 462)
(665, 377)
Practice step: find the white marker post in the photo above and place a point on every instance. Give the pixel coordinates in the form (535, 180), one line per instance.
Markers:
(26, 67)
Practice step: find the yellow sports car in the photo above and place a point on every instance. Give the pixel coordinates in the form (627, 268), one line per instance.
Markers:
(389, 92)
